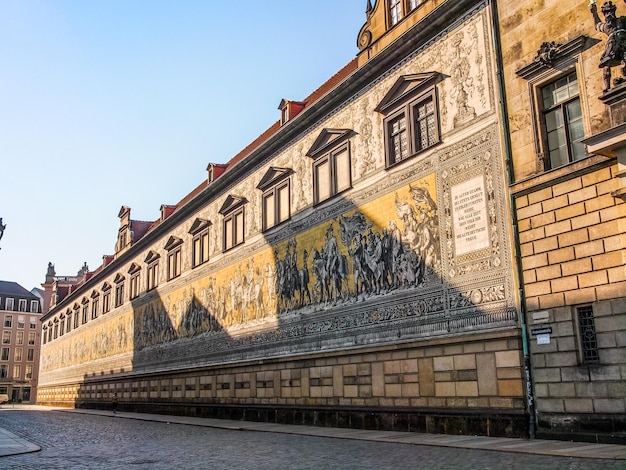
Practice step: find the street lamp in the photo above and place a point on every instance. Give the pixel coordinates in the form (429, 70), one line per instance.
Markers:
(2, 227)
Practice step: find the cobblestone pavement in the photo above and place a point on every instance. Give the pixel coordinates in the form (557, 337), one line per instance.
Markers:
(84, 441)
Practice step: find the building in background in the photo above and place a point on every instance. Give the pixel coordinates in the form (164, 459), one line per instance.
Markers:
(20, 313)
(567, 163)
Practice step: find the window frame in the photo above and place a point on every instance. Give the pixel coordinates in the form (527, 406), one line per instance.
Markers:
(271, 185)
(106, 297)
(152, 270)
(403, 100)
(174, 257)
(403, 8)
(200, 242)
(119, 282)
(552, 62)
(562, 108)
(9, 304)
(34, 306)
(8, 321)
(408, 110)
(95, 304)
(232, 209)
(587, 336)
(329, 145)
(134, 282)
(22, 305)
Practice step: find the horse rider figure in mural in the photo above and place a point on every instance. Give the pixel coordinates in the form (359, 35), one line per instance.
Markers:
(615, 50)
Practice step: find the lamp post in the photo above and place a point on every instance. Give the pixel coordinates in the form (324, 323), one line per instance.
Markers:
(2, 227)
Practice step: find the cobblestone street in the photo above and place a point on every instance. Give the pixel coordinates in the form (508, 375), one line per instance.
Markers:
(84, 441)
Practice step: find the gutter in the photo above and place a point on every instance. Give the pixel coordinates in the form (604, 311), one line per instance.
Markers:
(510, 176)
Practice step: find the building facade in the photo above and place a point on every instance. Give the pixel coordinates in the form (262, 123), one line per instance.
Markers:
(352, 266)
(21, 341)
(567, 153)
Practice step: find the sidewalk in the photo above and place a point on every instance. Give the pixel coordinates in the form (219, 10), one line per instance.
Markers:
(11, 444)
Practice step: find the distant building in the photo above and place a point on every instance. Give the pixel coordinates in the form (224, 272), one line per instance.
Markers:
(20, 313)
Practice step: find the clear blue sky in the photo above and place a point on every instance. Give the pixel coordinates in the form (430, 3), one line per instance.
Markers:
(125, 102)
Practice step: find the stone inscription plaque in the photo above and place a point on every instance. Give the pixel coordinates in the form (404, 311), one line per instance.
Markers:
(469, 208)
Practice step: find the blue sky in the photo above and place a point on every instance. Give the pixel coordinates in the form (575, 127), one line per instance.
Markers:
(125, 102)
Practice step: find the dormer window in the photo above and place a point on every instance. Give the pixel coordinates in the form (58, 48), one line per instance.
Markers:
(289, 110)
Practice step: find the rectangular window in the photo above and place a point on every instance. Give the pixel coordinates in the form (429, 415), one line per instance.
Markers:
(588, 339)
(119, 293)
(34, 306)
(30, 354)
(153, 276)
(22, 305)
(423, 129)
(17, 371)
(95, 306)
(69, 323)
(173, 263)
(19, 338)
(134, 285)
(425, 124)
(276, 205)
(106, 301)
(21, 321)
(31, 337)
(563, 121)
(9, 304)
(201, 248)
(5, 354)
(234, 229)
(76, 318)
(33, 323)
(332, 173)
(29, 371)
(6, 337)
(4, 371)
(8, 321)
(85, 311)
(61, 329)
(18, 354)
(395, 11)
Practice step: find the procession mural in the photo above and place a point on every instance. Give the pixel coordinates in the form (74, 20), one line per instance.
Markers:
(389, 244)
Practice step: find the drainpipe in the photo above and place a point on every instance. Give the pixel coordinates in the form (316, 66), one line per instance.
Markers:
(530, 400)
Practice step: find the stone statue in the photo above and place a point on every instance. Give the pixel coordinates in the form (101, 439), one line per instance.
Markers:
(615, 50)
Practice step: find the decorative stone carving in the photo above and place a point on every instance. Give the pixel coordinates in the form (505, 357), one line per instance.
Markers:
(615, 50)
(547, 53)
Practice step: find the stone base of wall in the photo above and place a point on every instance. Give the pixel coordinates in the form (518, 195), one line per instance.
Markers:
(449, 421)
(597, 427)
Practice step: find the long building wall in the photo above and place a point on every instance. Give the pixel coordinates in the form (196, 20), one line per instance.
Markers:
(397, 293)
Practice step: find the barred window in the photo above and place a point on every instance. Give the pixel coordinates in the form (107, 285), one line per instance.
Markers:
(588, 339)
